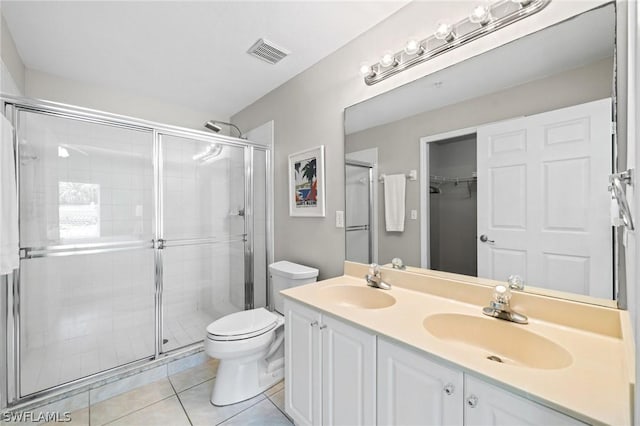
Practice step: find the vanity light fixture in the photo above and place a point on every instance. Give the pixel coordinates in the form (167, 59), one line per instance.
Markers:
(413, 47)
(365, 70)
(481, 14)
(444, 31)
(388, 59)
(485, 18)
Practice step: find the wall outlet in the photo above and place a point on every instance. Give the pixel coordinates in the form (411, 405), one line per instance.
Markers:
(414, 214)
(339, 219)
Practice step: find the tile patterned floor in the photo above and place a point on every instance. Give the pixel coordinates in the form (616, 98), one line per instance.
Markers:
(183, 399)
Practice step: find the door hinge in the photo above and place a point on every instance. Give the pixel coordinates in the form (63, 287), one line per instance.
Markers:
(614, 130)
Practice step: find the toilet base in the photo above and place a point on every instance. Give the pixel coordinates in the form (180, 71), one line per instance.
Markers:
(247, 367)
(236, 382)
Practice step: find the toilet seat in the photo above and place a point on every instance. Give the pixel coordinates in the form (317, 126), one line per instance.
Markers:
(242, 325)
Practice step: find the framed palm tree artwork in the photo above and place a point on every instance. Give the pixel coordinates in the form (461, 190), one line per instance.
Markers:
(306, 183)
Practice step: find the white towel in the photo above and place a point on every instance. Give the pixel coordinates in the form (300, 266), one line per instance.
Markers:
(9, 259)
(394, 195)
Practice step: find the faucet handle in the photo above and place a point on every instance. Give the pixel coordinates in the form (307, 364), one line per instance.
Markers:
(501, 295)
(374, 269)
(515, 282)
(397, 263)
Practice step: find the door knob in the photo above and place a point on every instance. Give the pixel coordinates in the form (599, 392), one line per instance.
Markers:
(486, 239)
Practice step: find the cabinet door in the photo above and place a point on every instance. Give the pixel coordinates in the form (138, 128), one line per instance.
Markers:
(302, 364)
(348, 374)
(486, 405)
(413, 390)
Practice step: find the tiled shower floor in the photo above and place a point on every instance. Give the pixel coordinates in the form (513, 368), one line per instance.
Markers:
(183, 399)
(97, 350)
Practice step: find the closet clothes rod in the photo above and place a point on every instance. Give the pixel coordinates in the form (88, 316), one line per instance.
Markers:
(444, 179)
(412, 175)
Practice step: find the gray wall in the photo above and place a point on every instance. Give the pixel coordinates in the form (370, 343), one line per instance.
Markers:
(398, 142)
(308, 111)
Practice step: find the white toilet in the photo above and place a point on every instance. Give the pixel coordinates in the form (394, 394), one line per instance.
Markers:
(249, 344)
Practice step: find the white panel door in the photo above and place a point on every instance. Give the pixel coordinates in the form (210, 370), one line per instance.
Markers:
(348, 374)
(302, 364)
(488, 405)
(413, 390)
(543, 202)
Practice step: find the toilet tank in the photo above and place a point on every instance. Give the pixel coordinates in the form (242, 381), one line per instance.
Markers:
(286, 275)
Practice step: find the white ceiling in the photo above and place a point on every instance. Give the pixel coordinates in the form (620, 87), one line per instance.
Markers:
(192, 53)
(568, 45)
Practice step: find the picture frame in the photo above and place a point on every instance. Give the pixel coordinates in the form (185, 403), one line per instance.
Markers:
(306, 183)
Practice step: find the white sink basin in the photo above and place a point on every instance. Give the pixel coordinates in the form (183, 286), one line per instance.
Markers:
(499, 340)
(358, 297)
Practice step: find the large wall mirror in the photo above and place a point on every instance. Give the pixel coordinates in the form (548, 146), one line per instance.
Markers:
(503, 160)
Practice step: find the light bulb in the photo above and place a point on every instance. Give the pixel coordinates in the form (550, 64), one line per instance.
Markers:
(480, 14)
(444, 31)
(387, 59)
(365, 69)
(412, 47)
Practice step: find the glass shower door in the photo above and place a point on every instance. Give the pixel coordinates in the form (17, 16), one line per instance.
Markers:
(203, 236)
(86, 282)
(358, 212)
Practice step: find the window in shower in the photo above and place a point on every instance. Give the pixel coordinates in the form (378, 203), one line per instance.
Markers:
(78, 210)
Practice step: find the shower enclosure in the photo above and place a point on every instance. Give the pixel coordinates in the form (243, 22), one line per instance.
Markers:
(133, 237)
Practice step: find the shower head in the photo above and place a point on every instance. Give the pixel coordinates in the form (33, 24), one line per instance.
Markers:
(214, 125)
(211, 125)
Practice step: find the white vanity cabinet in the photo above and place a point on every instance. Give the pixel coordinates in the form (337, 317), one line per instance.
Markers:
(338, 374)
(413, 390)
(330, 369)
(489, 405)
(303, 396)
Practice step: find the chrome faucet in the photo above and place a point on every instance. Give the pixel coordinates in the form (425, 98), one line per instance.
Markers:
(374, 279)
(499, 307)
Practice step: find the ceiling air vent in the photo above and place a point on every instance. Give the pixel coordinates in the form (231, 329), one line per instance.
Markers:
(267, 51)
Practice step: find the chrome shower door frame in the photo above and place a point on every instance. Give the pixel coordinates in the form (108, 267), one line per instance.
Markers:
(12, 396)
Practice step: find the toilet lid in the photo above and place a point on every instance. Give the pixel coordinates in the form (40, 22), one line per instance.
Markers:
(242, 325)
